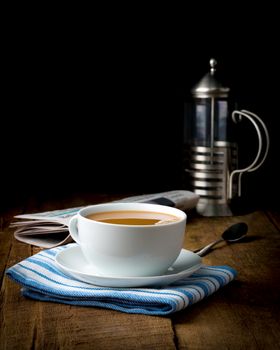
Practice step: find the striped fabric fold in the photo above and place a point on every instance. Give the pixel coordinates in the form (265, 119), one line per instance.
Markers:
(41, 279)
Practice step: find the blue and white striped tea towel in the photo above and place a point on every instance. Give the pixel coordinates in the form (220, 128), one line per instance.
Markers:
(41, 279)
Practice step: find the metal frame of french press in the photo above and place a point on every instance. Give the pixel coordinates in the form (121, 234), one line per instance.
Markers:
(213, 171)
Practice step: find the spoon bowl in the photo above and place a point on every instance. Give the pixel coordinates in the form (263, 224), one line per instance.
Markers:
(232, 234)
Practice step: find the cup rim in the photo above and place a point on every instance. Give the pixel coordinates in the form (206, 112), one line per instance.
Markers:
(148, 207)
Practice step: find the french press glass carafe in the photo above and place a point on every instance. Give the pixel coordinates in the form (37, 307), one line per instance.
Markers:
(211, 151)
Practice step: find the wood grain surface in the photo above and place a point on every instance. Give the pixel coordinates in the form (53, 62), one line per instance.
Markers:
(242, 315)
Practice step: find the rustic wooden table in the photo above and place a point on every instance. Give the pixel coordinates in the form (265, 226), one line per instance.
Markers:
(242, 315)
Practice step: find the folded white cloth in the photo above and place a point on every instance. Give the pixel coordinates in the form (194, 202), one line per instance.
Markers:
(41, 279)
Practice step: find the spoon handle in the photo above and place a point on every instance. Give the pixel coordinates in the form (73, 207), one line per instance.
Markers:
(205, 250)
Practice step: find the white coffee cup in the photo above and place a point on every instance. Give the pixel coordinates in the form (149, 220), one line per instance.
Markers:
(129, 250)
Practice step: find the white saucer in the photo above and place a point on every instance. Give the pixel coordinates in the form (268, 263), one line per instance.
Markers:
(72, 262)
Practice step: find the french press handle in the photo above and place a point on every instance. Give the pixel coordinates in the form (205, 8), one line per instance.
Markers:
(258, 161)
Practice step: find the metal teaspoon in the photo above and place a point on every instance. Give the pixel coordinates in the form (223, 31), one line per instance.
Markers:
(232, 234)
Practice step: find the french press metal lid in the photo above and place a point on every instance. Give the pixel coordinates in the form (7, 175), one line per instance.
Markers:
(209, 86)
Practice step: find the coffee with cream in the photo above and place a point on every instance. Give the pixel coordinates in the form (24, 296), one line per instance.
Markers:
(132, 217)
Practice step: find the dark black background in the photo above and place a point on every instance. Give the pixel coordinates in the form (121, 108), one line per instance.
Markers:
(101, 110)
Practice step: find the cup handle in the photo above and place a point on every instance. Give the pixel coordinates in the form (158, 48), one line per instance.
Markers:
(73, 229)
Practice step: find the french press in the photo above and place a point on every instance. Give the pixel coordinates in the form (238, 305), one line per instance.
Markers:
(211, 152)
